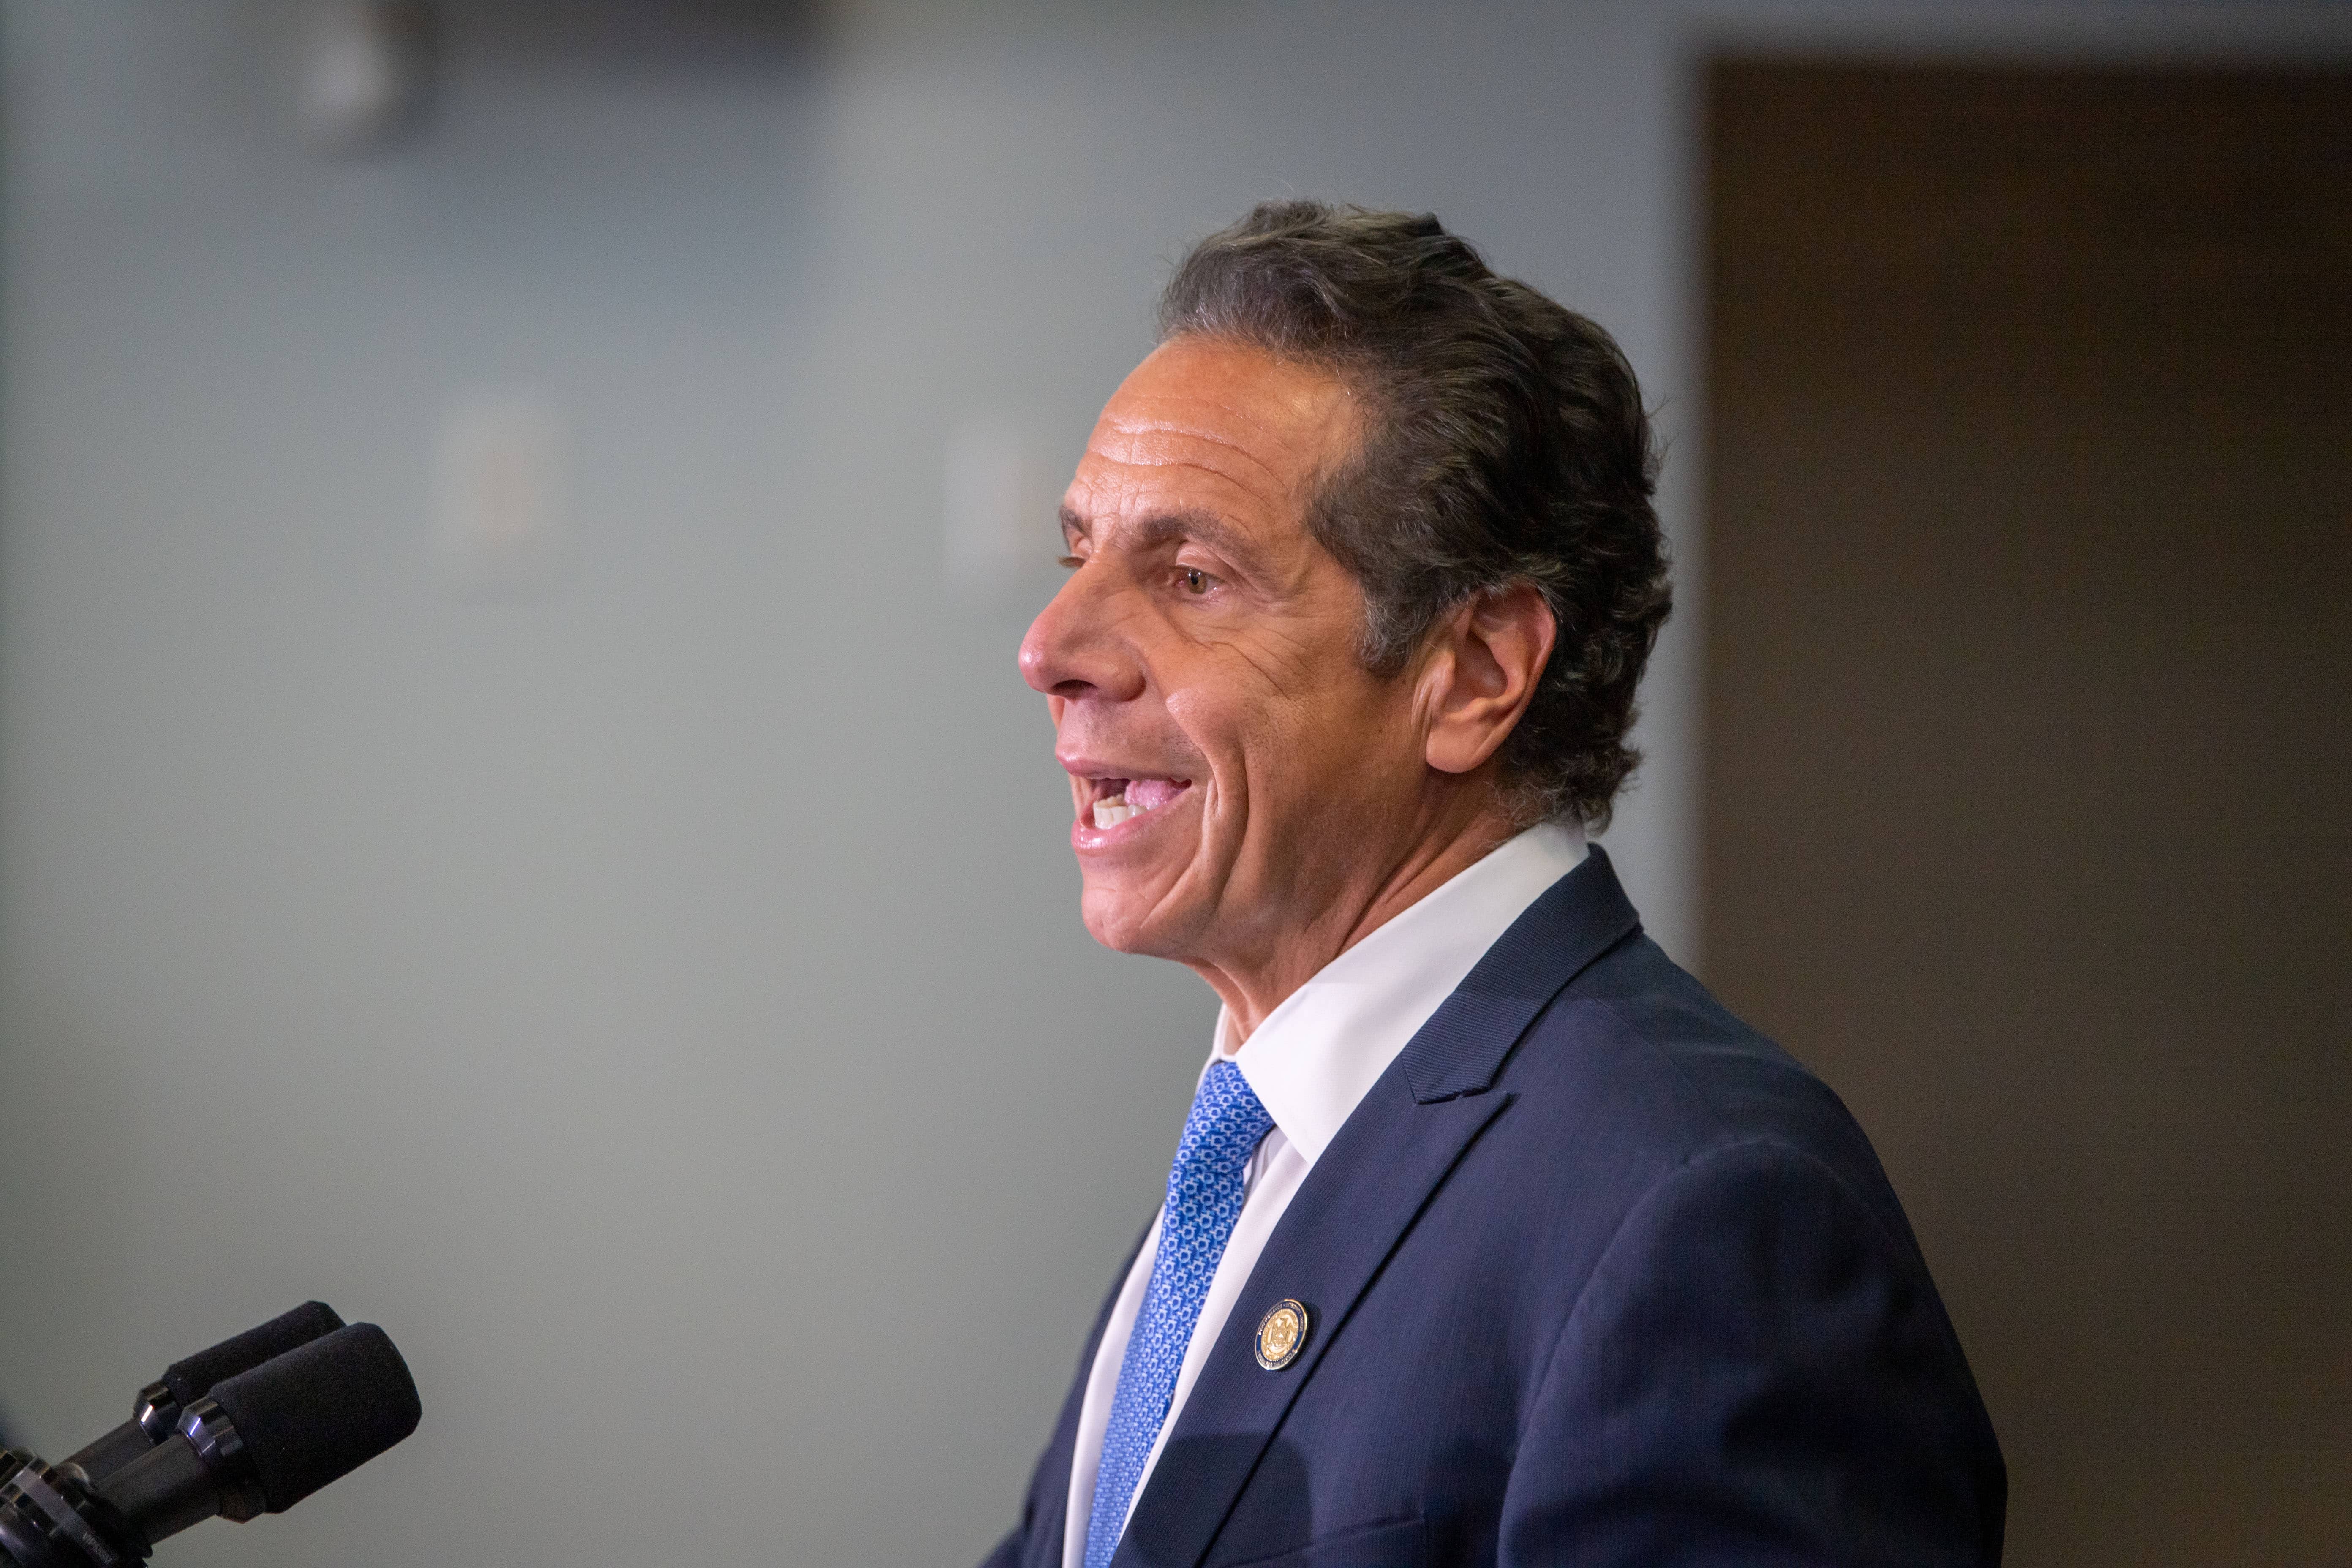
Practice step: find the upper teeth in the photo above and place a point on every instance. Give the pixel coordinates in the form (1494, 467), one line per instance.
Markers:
(1112, 810)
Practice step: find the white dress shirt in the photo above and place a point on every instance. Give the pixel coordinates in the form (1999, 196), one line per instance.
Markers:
(1313, 1059)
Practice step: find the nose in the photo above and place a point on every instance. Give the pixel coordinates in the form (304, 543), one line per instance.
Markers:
(1075, 648)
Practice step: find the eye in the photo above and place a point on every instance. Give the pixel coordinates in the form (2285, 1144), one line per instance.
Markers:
(1196, 582)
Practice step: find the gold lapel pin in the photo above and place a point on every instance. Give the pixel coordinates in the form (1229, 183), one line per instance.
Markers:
(1281, 1335)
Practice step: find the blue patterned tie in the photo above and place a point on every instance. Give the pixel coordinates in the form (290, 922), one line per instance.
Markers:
(1204, 1198)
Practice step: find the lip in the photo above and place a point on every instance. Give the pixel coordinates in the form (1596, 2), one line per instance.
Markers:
(1089, 773)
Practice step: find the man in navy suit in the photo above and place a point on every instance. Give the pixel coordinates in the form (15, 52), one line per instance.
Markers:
(1491, 1238)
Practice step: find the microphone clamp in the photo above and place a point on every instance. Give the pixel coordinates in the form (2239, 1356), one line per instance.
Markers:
(48, 1520)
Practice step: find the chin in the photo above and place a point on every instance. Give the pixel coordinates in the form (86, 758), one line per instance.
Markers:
(1127, 921)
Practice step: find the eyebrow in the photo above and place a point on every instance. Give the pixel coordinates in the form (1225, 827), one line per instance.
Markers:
(1161, 528)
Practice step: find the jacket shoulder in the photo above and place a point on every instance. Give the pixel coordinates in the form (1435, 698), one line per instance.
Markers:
(1638, 1062)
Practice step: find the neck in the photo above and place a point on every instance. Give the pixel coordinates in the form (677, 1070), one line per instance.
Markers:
(1253, 985)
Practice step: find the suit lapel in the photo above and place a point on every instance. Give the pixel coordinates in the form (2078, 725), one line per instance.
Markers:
(1358, 1204)
(1463, 1045)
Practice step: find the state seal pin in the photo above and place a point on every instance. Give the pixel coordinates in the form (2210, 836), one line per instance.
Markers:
(1281, 1335)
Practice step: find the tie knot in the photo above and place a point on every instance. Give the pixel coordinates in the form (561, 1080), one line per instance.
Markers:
(1220, 1135)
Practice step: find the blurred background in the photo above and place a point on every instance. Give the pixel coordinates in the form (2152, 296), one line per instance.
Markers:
(518, 816)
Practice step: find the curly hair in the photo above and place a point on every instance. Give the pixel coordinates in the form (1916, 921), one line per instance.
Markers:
(1505, 443)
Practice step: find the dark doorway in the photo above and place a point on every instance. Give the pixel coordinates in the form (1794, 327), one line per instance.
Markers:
(2029, 792)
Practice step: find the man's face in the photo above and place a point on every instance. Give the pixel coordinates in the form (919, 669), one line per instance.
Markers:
(1234, 766)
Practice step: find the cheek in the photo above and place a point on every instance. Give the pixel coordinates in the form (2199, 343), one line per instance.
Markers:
(1322, 732)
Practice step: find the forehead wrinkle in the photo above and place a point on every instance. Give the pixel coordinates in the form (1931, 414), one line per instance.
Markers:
(1239, 450)
(1299, 425)
(1112, 491)
(1157, 445)
(1158, 416)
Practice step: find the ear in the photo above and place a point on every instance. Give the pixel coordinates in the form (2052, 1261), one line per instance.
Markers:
(1484, 662)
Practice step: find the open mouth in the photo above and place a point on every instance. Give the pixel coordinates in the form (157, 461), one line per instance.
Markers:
(1111, 801)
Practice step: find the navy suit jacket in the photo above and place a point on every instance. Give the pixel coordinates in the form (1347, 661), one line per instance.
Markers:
(1598, 1275)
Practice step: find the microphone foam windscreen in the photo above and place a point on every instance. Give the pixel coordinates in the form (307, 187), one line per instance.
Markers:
(320, 1411)
(192, 1379)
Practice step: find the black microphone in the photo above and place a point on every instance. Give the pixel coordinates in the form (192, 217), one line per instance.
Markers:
(261, 1443)
(155, 1414)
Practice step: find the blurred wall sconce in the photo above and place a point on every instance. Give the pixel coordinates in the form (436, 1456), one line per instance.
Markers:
(366, 72)
(501, 513)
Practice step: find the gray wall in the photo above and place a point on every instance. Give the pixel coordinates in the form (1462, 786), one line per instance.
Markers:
(655, 995)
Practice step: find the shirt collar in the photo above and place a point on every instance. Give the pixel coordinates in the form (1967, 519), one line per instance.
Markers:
(1321, 1050)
